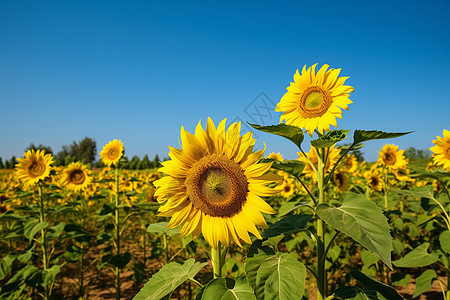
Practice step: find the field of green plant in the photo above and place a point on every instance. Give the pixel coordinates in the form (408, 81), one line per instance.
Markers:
(221, 220)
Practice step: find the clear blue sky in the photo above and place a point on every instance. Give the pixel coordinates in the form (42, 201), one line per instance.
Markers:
(139, 70)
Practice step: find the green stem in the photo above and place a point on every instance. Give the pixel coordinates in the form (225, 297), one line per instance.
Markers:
(117, 223)
(82, 208)
(321, 253)
(385, 188)
(166, 249)
(44, 236)
(216, 260)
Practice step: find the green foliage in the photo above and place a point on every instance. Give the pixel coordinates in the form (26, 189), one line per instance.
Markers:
(47, 149)
(227, 289)
(413, 153)
(293, 167)
(290, 132)
(362, 220)
(424, 282)
(330, 138)
(287, 225)
(418, 257)
(168, 278)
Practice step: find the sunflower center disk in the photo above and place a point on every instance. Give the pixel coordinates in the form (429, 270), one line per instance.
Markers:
(77, 177)
(113, 153)
(217, 186)
(314, 102)
(390, 158)
(36, 169)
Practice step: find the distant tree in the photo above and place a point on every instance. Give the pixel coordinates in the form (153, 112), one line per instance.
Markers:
(156, 162)
(413, 153)
(85, 150)
(7, 165)
(69, 159)
(13, 162)
(357, 153)
(134, 163)
(145, 162)
(47, 149)
(60, 158)
(1, 163)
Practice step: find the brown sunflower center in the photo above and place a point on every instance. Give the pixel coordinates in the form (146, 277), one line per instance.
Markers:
(36, 169)
(390, 158)
(447, 151)
(374, 181)
(217, 186)
(77, 177)
(315, 102)
(113, 153)
(287, 188)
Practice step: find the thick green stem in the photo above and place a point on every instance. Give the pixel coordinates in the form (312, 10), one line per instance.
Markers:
(82, 208)
(322, 272)
(117, 223)
(166, 249)
(216, 261)
(385, 188)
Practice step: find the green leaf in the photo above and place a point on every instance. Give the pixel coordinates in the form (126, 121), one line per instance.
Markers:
(228, 289)
(6, 264)
(168, 278)
(31, 231)
(282, 276)
(418, 257)
(330, 138)
(361, 136)
(424, 282)
(161, 227)
(55, 231)
(290, 132)
(118, 260)
(444, 240)
(288, 225)
(400, 279)
(362, 220)
(371, 286)
(351, 293)
(293, 167)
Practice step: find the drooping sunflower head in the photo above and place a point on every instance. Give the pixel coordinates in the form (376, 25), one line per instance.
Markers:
(214, 185)
(441, 150)
(112, 152)
(314, 100)
(76, 177)
(340, 178)
(276, 156)
(33, 167)
(391, 157)
(350, 163)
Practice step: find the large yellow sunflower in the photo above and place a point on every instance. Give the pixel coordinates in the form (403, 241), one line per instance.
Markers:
(214, 185)
(313, 101)
(441, 152)
(76, 177)
(112, 152)
(391, 157)
(332, 158)
(34, 167)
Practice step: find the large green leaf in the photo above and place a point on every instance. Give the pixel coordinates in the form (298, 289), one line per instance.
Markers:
(350, 293)
(372, 287)
(361, 136)
(424, 282)
(293, 167)
(292, 133)
(288, 225)
(418, 257)
(31, 231)
(168, 278)
(362, 220)
(330, 138)
(6, 264)
(228, 289)
(400, 279)
(444, 240)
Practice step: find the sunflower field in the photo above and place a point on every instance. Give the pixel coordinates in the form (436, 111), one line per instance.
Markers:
(222, 220)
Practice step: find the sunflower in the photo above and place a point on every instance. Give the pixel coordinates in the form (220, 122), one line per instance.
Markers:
(332, 158)
(441, 152)
(391, 157)
(340, 178)
(350, 163)
(214, 185)
(34, 167)
(374, 179)
(276, 156)
(313, 101)
(112, 152)
(287, 187)
(76, 177)
(402, 174)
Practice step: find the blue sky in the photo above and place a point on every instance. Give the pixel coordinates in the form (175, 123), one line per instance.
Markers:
(139, 70)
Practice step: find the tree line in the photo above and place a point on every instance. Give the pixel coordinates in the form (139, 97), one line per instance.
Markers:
(86, 152)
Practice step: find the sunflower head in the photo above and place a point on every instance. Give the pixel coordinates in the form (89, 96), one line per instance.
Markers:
(391, 157)
(76, 177)
(332, 158)
(314, 100)
(340, 178)
(287, 188)
(214, 185)
(374, 180)
(441, 150)
(276, 156)
(112, 152)
(35, 166)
